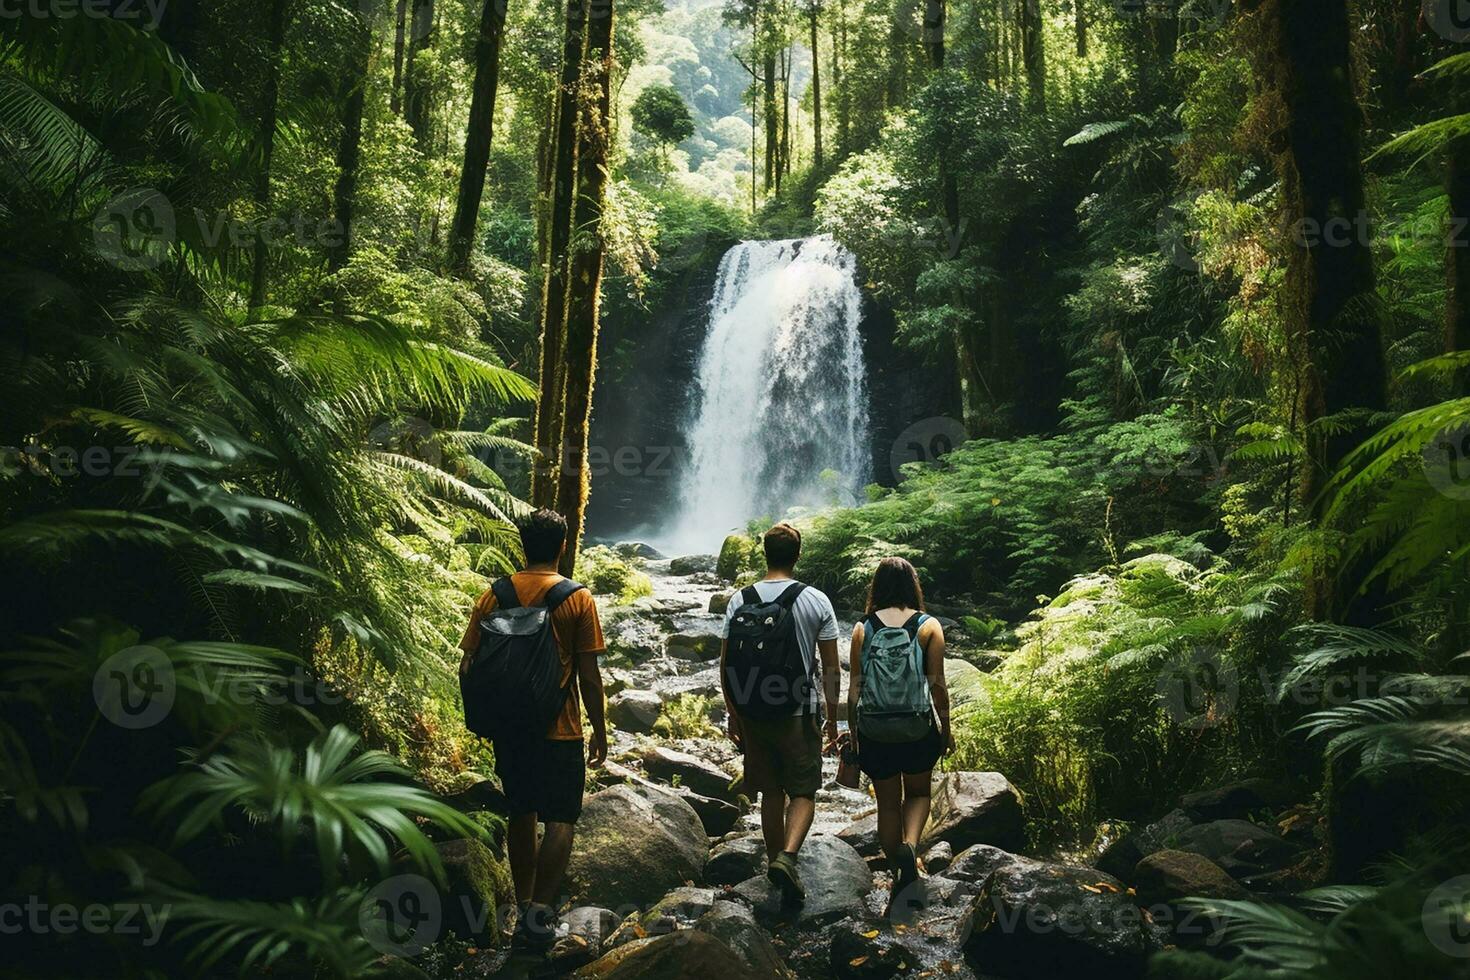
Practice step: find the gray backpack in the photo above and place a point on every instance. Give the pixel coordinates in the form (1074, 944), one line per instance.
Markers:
(895, 705)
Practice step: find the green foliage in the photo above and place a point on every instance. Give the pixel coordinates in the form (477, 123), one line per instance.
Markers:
(660, 114)
(686, 716)
(606, 572)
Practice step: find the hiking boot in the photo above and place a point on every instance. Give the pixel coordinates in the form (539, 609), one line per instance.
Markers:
(782, 874)
(535, 931)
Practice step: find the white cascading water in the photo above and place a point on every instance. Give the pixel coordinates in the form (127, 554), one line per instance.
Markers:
(780, 390)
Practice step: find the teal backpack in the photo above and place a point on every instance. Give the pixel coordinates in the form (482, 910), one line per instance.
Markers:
(895, 705)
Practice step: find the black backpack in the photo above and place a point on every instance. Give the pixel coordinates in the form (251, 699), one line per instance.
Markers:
(765, 672)
(513, 688)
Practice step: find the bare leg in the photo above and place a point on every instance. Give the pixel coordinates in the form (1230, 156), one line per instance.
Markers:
(799, 816)
(890, 801)
(520, 842)
(551, 864)
(915, 806)
(773, 821)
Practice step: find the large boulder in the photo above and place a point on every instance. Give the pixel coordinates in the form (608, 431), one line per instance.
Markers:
(635, 711)
(476, 884)
(719, 602)
(695, 647)
(1166, 876)
(736, 554)
(862, 834)
(717, 816)
(1239, 846)
(693, 564)
(634, 843)
(634, 633)
(734, 925)
(938, 858)
(678, 908)
(1235, 800)
(702, 777)
(734, 861)
(637, 549)
(969, 808)
(1121, 853)
(836, 879)
(1036, 919)
(691, 954)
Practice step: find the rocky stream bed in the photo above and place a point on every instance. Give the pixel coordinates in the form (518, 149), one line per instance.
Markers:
(667, 877)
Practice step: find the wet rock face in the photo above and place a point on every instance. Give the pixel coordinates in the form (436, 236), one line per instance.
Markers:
(736, 860)
(690, 954)
(635, 842)
(733, 924)
(969, 808)
(1239, 846)
(1168, 876)
(836, 878)
(1037, 919)
(1122, 855)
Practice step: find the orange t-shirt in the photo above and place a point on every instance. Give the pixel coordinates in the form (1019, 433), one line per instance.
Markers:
(577, 630)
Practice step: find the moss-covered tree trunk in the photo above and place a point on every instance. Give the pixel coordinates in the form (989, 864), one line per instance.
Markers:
(416, 108)
(1033, 53)
(588, 254)
(477, 135)
(400, 39)
(269, 116)
(815, 10)
(550, 404)
(349, 148)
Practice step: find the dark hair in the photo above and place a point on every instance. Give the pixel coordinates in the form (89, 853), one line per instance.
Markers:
(895, 585)
(782, 545)
(542, 535)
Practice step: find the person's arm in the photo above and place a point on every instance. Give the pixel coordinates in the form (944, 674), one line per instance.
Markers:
(589, 679)
(938, 686)
(732, 720)
(471, 640)
(854, 680)
(590, 646)
(831, 685)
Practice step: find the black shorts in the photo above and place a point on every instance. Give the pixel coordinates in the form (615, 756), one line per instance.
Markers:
(884, 760)
(545, 777)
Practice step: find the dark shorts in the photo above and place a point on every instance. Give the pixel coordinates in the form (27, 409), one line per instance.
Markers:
(783, 755)
(545, 777)
(884, 760)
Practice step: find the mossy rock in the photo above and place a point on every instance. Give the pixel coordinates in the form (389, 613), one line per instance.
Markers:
(736, 556)
(478, 884)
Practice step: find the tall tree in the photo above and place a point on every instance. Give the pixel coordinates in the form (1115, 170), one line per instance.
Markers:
(934, 16)
(269, 117)
(400, 37)
(1033, 53)
(478, 134)
(349, 147)
(813, 10)
(1079, 12)
(588, 255)
(416, 108)
(768, 82)
(550, 403)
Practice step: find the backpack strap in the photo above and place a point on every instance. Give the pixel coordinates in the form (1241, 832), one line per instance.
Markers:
(788, 598)
(559, 593)
(749, 596)
(912, 626)
(505, 594)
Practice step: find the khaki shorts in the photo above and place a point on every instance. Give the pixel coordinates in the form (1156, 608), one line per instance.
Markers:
(783, 755)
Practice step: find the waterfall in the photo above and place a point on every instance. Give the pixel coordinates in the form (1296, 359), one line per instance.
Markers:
(779, 413)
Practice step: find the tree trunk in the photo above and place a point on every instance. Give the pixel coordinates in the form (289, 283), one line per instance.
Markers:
(784, 166)
(400, 36)
(816, 91)
(585, 292)
(349, 151)
(1033, 54)
(1457, 319)
(1081, 23)
(773, 119)
(839, 72)
(934, 33)
(477, 136)
(275, 40)
(550, 403)
(416, 109)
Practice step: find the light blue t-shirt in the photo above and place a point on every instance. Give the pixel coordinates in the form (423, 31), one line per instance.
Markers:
(815, 620)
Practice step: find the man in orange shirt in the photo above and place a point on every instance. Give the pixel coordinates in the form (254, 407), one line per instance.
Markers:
(543, 774)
